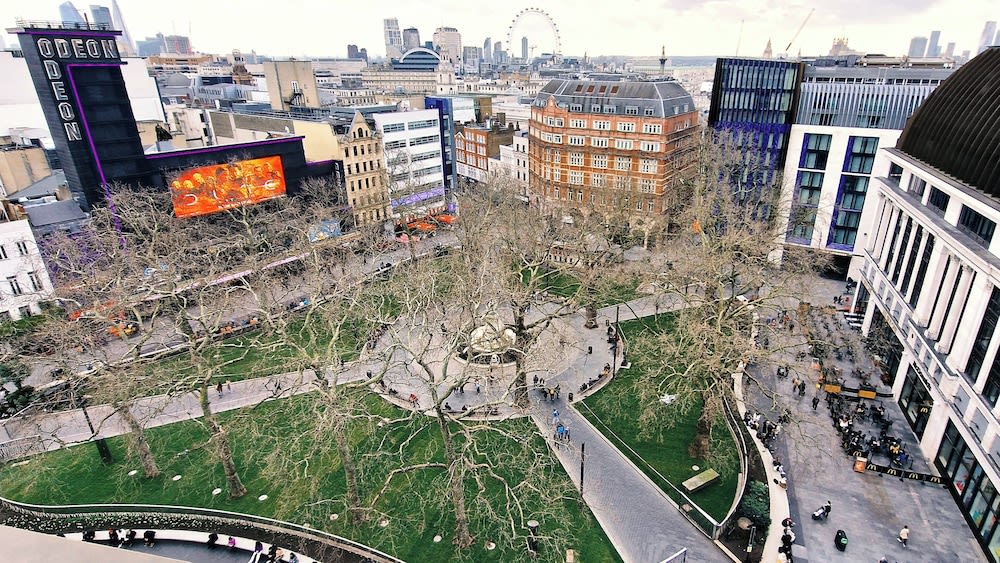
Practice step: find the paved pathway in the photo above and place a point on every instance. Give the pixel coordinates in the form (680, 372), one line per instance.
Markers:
(869, 507)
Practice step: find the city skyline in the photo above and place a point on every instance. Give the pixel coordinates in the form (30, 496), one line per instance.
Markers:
(633, 28)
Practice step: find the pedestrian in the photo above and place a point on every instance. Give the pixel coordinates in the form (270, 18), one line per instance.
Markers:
(229, 385)
(815, 402)
(791, 326)
(555, 417)
(904, 535)
(231, 542)
(258, 552)
(113, 540)
(566, 434)
(477, 388)
(802, 388)
(218, 388)
(535, 379)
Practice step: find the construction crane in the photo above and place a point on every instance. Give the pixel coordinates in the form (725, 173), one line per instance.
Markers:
(796, 36)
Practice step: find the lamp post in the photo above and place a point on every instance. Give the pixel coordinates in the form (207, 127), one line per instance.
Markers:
(532, 540)
(102, 446)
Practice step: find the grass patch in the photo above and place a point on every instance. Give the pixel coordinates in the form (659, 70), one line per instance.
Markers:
(617, 406)
(300, 471)
(564, 284)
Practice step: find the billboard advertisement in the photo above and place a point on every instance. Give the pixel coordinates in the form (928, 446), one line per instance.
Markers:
(210, 189)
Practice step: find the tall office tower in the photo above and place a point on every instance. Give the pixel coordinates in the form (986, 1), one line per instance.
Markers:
(524, 49)
(101, 15)
(950, 50)
(498, 53)
(918, 47)
(393, 39)
(363, 54)
(411, 38)
(471, 55)
(125, 43)
(69, 14)
(352, 51)
(933, 49)
(985, 40)
(449, 44)
(488, 50)
(177, 44)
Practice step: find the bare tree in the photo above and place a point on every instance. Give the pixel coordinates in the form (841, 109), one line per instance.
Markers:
(722, 273)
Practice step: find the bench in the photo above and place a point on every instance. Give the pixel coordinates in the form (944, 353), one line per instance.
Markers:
(701, 480)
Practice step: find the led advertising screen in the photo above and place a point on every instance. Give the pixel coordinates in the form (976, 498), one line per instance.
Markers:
(210, 189)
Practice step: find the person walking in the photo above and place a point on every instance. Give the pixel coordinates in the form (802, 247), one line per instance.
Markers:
(555, 417)
(815, 402)
(218, 388)
(904, 535)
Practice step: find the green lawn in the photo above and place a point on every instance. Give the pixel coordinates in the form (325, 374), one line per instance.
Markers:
(616, 407)
(564, 284)
(303, 479)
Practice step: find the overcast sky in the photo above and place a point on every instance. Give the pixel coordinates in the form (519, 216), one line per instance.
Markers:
(616, 27)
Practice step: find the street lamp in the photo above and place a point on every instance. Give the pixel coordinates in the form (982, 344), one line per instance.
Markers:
(532, 540)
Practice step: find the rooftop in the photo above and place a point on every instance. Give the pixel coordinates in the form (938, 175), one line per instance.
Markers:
(664, 98)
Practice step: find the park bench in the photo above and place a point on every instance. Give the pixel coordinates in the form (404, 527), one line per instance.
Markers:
(701, 480)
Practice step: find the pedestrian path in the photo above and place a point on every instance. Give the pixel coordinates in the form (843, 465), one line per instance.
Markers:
(641, 521)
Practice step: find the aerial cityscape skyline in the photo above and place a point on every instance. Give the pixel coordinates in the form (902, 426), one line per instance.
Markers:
(738, 28)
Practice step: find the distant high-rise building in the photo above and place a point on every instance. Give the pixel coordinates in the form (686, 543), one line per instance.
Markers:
(363, 54)
(411, 38)
(950, 50)
(101, 15)
(471, 55)
(985, 40)
(448, 42)
(488, 50)
(125, 43)
(69, 14)
(498, 53)
(933, 49)
(150, 46)
(352, 51)
(918, 47)
(177, 44)
(524, 49)
(768, 53)
(393, 39)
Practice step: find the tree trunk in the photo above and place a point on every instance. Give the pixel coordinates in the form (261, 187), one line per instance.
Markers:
(521, 343)
(701, 445)
(222, 449)
(350, 473)
(140, 445)
(456, 484)
(591, 315)
(520, 382)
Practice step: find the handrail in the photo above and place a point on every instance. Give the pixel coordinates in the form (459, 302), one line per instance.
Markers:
(313, 543)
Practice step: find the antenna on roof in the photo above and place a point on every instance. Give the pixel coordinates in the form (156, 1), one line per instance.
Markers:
(740, 38)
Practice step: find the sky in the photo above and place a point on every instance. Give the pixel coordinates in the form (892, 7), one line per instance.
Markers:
(619, 27)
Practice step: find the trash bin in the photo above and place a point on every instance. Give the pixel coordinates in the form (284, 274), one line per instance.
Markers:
(840, 540)
(571, 397)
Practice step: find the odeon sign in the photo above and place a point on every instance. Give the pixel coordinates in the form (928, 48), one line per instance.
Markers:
(59, 51)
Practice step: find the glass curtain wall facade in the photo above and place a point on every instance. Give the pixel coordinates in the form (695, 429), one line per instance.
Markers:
(975, 493)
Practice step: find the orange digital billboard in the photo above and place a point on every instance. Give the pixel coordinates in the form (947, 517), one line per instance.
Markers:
(210, 189)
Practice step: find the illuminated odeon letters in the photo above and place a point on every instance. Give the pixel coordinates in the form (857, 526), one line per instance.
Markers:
(52, 51)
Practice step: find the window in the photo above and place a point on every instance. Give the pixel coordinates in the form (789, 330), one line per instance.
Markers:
(852, 192)
(576, 158)
(36, 284)
(609, 109)
(576, 107)
(460, 144)
(626, 126)
(557, 157)
(556, 192)
(577, 123)
(861, 154)
(647, 165)
(631, 110)
(576, 178)
(395, 144)
(22, 248)
(815, 152)
(647, 185)
(623, 144)
(803, 220)
(623, 182)
(599, 160)
(597, 180)
(554, 121)
(595, 108)
(917, 186)
(649, 146)
(556, 175)
(15, 287)
(976, 226)
(422, 124)
(575, 140)
(810, 186)
(938, 200)
(551, 138)
(602, 125)
(425, 140)
(599, 142)
(654, 128)
(918, 280)
(648, 111)
(623, 163)
(393, 127)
